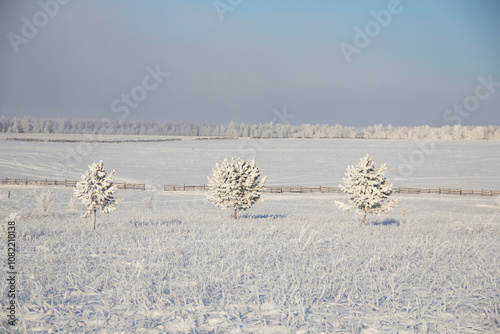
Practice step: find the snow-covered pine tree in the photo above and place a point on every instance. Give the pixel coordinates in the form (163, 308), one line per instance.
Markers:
(96, 190)
(367, 188)
(237, 185)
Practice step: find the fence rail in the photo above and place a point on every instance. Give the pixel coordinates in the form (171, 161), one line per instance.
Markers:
(67, 183)
(321, 189)
(268, 189)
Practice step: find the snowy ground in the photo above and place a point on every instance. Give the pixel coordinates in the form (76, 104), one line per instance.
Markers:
(287, 162)
(172, 262)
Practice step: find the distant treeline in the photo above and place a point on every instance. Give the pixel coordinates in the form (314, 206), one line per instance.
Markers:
(47, 140)
(268, 130)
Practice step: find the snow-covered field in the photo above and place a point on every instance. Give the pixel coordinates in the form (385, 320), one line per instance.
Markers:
(287, 162)
(173, 262)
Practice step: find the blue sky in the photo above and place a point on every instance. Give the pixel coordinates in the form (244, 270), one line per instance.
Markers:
(93, 59)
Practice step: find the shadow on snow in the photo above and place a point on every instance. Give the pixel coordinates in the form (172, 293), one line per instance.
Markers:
(155, 222)
(387, 222)
(262, 216)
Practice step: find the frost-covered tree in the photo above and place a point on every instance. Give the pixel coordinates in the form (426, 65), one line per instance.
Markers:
(236, 184)
(367, 188)
(96, 190)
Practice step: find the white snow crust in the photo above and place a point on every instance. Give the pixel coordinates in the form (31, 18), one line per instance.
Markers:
(173, 262)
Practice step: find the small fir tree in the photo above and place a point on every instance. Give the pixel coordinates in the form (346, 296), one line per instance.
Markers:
(237, 185)
(96, 190)
(367, 188)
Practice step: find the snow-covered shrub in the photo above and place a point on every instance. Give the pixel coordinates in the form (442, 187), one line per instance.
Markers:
(236, 184)
(13, 216)
(367, 188)
(498, 200)
(73, 203)
(477, 226)
(96, 190)
(44, 202)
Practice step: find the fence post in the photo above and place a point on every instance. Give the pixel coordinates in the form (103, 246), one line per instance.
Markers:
(26, 181)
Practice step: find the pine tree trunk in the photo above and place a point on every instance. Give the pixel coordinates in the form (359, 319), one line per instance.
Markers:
(235, 213)
(94, 218)
(364, 217)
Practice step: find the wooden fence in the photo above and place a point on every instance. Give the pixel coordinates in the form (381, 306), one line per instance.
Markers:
(67, 183)
(446, 191)
(321, 189)
(268, 189)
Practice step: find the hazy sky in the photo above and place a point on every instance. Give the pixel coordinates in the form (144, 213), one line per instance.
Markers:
(349, 62)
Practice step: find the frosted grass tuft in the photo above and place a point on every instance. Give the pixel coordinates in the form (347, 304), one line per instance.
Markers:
(280, 268)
